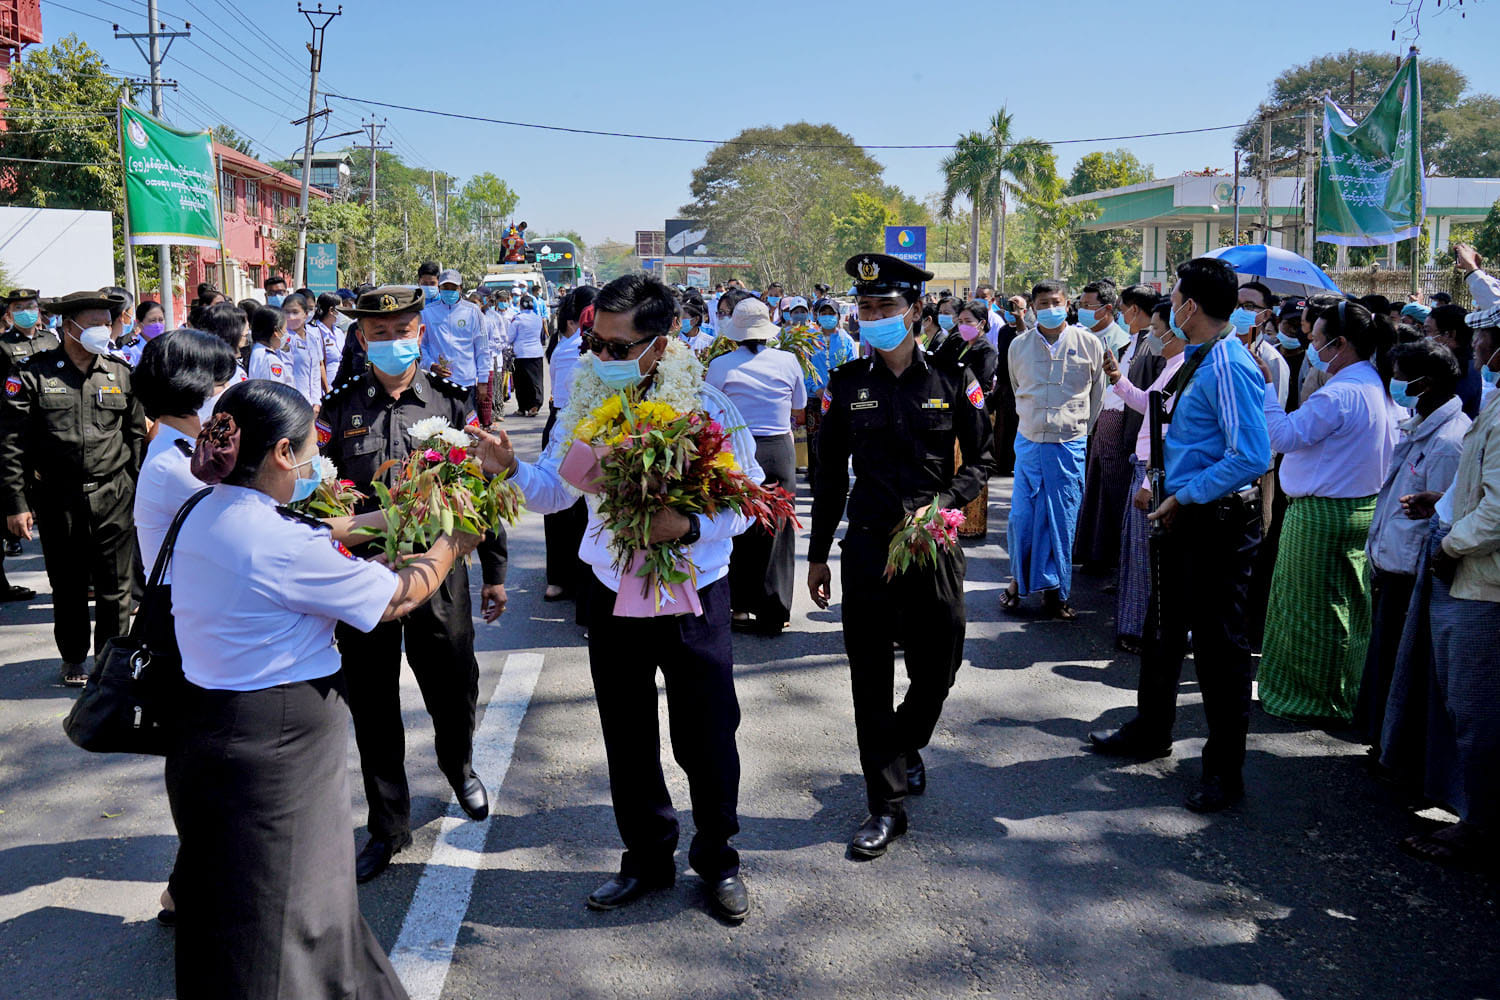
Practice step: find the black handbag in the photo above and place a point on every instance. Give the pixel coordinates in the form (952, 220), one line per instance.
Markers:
(129, 702)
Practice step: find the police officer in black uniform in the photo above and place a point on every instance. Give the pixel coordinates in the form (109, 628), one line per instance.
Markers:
(898, 414)
(71, 439)
(25, 334)
(362, 425)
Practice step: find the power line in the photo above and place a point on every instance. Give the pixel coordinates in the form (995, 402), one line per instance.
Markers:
(788, 145)
(81, 13)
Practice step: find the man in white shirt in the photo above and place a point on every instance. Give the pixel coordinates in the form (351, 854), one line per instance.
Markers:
(1254, 322)
(1057, 372)
(456, 344)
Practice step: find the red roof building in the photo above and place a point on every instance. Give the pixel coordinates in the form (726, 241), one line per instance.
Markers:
(258, 205)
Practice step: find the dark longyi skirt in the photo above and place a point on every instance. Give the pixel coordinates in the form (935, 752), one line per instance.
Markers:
(762, 567)
(266, 902)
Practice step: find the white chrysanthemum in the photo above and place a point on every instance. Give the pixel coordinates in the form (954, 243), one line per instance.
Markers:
(428, 427)
(454, 438)
(330, 471)
(678, 383)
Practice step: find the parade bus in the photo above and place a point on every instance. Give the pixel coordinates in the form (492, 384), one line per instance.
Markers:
(558, 260)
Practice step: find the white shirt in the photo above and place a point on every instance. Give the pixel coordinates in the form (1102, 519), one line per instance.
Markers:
(565, 362)
(1281, 372)
(1338, 443)
(526, 336)
(269, 364)
(255, 594)
(333, 338)
(547, 492)
(1112, 400)
(164, 485)
(764, 385)
(304, 348)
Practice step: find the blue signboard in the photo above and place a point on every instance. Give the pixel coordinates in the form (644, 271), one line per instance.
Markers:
(323, 267)
(908, 243)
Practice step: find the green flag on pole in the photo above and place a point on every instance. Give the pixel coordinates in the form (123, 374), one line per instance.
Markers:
(1371, 185)
(171, 191)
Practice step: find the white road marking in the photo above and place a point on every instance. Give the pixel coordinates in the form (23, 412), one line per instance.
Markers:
(424, 949)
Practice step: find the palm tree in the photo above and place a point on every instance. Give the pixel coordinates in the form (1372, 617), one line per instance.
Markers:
(1023, 170)
(969, 171)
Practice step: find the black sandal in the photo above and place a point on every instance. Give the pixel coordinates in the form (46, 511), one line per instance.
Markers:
(16, 593)
(1010, 599)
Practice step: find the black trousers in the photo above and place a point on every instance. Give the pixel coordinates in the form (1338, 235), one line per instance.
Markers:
(764, 563)
(1390, 598)
(1206, 561)
(88, 540)
(924, 611)
(528, 383)
(696, 660)
(440, 648)
(564, 534)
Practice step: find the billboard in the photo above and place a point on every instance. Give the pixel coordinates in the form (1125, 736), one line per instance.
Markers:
(650, 243)
(323, 267)
(687, 238)
(908, 243)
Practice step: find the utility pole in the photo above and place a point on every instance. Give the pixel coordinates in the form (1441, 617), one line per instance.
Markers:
(1310, 180)
(374, 127)
(155, 53)
(1236, 192)
(319, 20)
(445, 208)
(1265, 181)
(433, 174)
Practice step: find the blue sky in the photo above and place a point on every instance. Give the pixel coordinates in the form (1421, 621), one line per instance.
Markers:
(884, 72)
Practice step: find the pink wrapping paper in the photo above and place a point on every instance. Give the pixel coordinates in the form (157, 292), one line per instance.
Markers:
(580, 466)
(635, 599)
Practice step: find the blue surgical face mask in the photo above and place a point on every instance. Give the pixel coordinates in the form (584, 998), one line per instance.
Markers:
(1316, 360)
(126, 327)
(617, 375)
(945, 321)
(1177, 331)
(430, 292)
(773, 300)
(307, 485)
(1051, 318)
(799, 318)
(884, 334)
(275, 300)
(449, 296)
(1288, 343)
(1400, 394)
(1489, 375)
(1243, 319)
(828, 322)
(394, 357)
(685, 325)
(1010, 317)
(26, 318)
(1087, 318)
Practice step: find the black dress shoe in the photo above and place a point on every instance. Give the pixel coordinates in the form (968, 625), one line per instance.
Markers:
(1215, 794)
(473, 798)
(916, 774)
(729, 899)
(1119, 743)
(624, 889)
(376, 856)
(871, 840)
(13, 547)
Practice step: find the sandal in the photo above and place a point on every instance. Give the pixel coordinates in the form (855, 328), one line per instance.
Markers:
(1010, 598)
(1058, 608)
(1453, 851)
(73, 675)
(16, 593)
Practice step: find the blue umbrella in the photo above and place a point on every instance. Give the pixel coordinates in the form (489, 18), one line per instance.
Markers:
(1282, 270)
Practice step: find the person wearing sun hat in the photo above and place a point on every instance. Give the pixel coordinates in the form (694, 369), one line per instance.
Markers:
(72, 435)
(362, 428)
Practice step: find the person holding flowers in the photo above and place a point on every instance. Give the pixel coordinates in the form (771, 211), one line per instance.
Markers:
(366, 427)
(643, 384)
(765, 384)
(898, 414)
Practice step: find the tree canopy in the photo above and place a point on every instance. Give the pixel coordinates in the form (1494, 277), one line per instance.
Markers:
(1112, 254)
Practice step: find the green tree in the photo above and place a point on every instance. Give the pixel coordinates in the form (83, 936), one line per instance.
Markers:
(1487, 236)
(1470, 144)
(773, 195)
(226, 136)
(968, 171)
(614, 259)
(1025, 171)
(1300, 89)
(1113, 254)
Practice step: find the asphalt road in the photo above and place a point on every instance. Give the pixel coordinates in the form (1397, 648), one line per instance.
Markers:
(1032, 869)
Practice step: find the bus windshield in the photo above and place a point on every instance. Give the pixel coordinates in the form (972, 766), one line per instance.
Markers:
(558, 261)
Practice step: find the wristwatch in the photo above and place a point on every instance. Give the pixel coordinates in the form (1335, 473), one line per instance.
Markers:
(693, 532)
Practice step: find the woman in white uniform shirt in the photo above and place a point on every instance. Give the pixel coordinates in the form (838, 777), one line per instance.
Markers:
(268, 336)
(526, 344)
(766, 386)
(258, 781)
(567, 574)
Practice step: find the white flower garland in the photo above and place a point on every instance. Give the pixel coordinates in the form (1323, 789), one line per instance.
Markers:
(678, 384)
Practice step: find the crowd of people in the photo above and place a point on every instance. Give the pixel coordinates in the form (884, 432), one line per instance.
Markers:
(1326, 492)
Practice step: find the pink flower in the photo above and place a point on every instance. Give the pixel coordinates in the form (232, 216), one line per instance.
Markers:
(952, 518)
(457, 455)
(432, 456)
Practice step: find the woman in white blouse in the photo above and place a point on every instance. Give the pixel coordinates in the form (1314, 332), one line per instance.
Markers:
(526, 338)
(258, 780)
(1337, 447)
(766, 385)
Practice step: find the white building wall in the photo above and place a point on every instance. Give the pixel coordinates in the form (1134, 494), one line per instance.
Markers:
(57, 250)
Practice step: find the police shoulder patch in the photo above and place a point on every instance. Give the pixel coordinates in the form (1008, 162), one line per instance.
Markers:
(325, 432)
(341, 549)
(975, 393)
(12, 386)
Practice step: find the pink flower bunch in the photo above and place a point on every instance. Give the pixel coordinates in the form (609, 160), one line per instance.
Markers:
(432, 456)
(944, 528)
(920, 541)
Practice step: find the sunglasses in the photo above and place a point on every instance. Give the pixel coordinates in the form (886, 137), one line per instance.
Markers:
(619, 352)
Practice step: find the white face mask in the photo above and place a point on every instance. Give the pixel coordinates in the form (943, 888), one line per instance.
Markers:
(95, 339)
